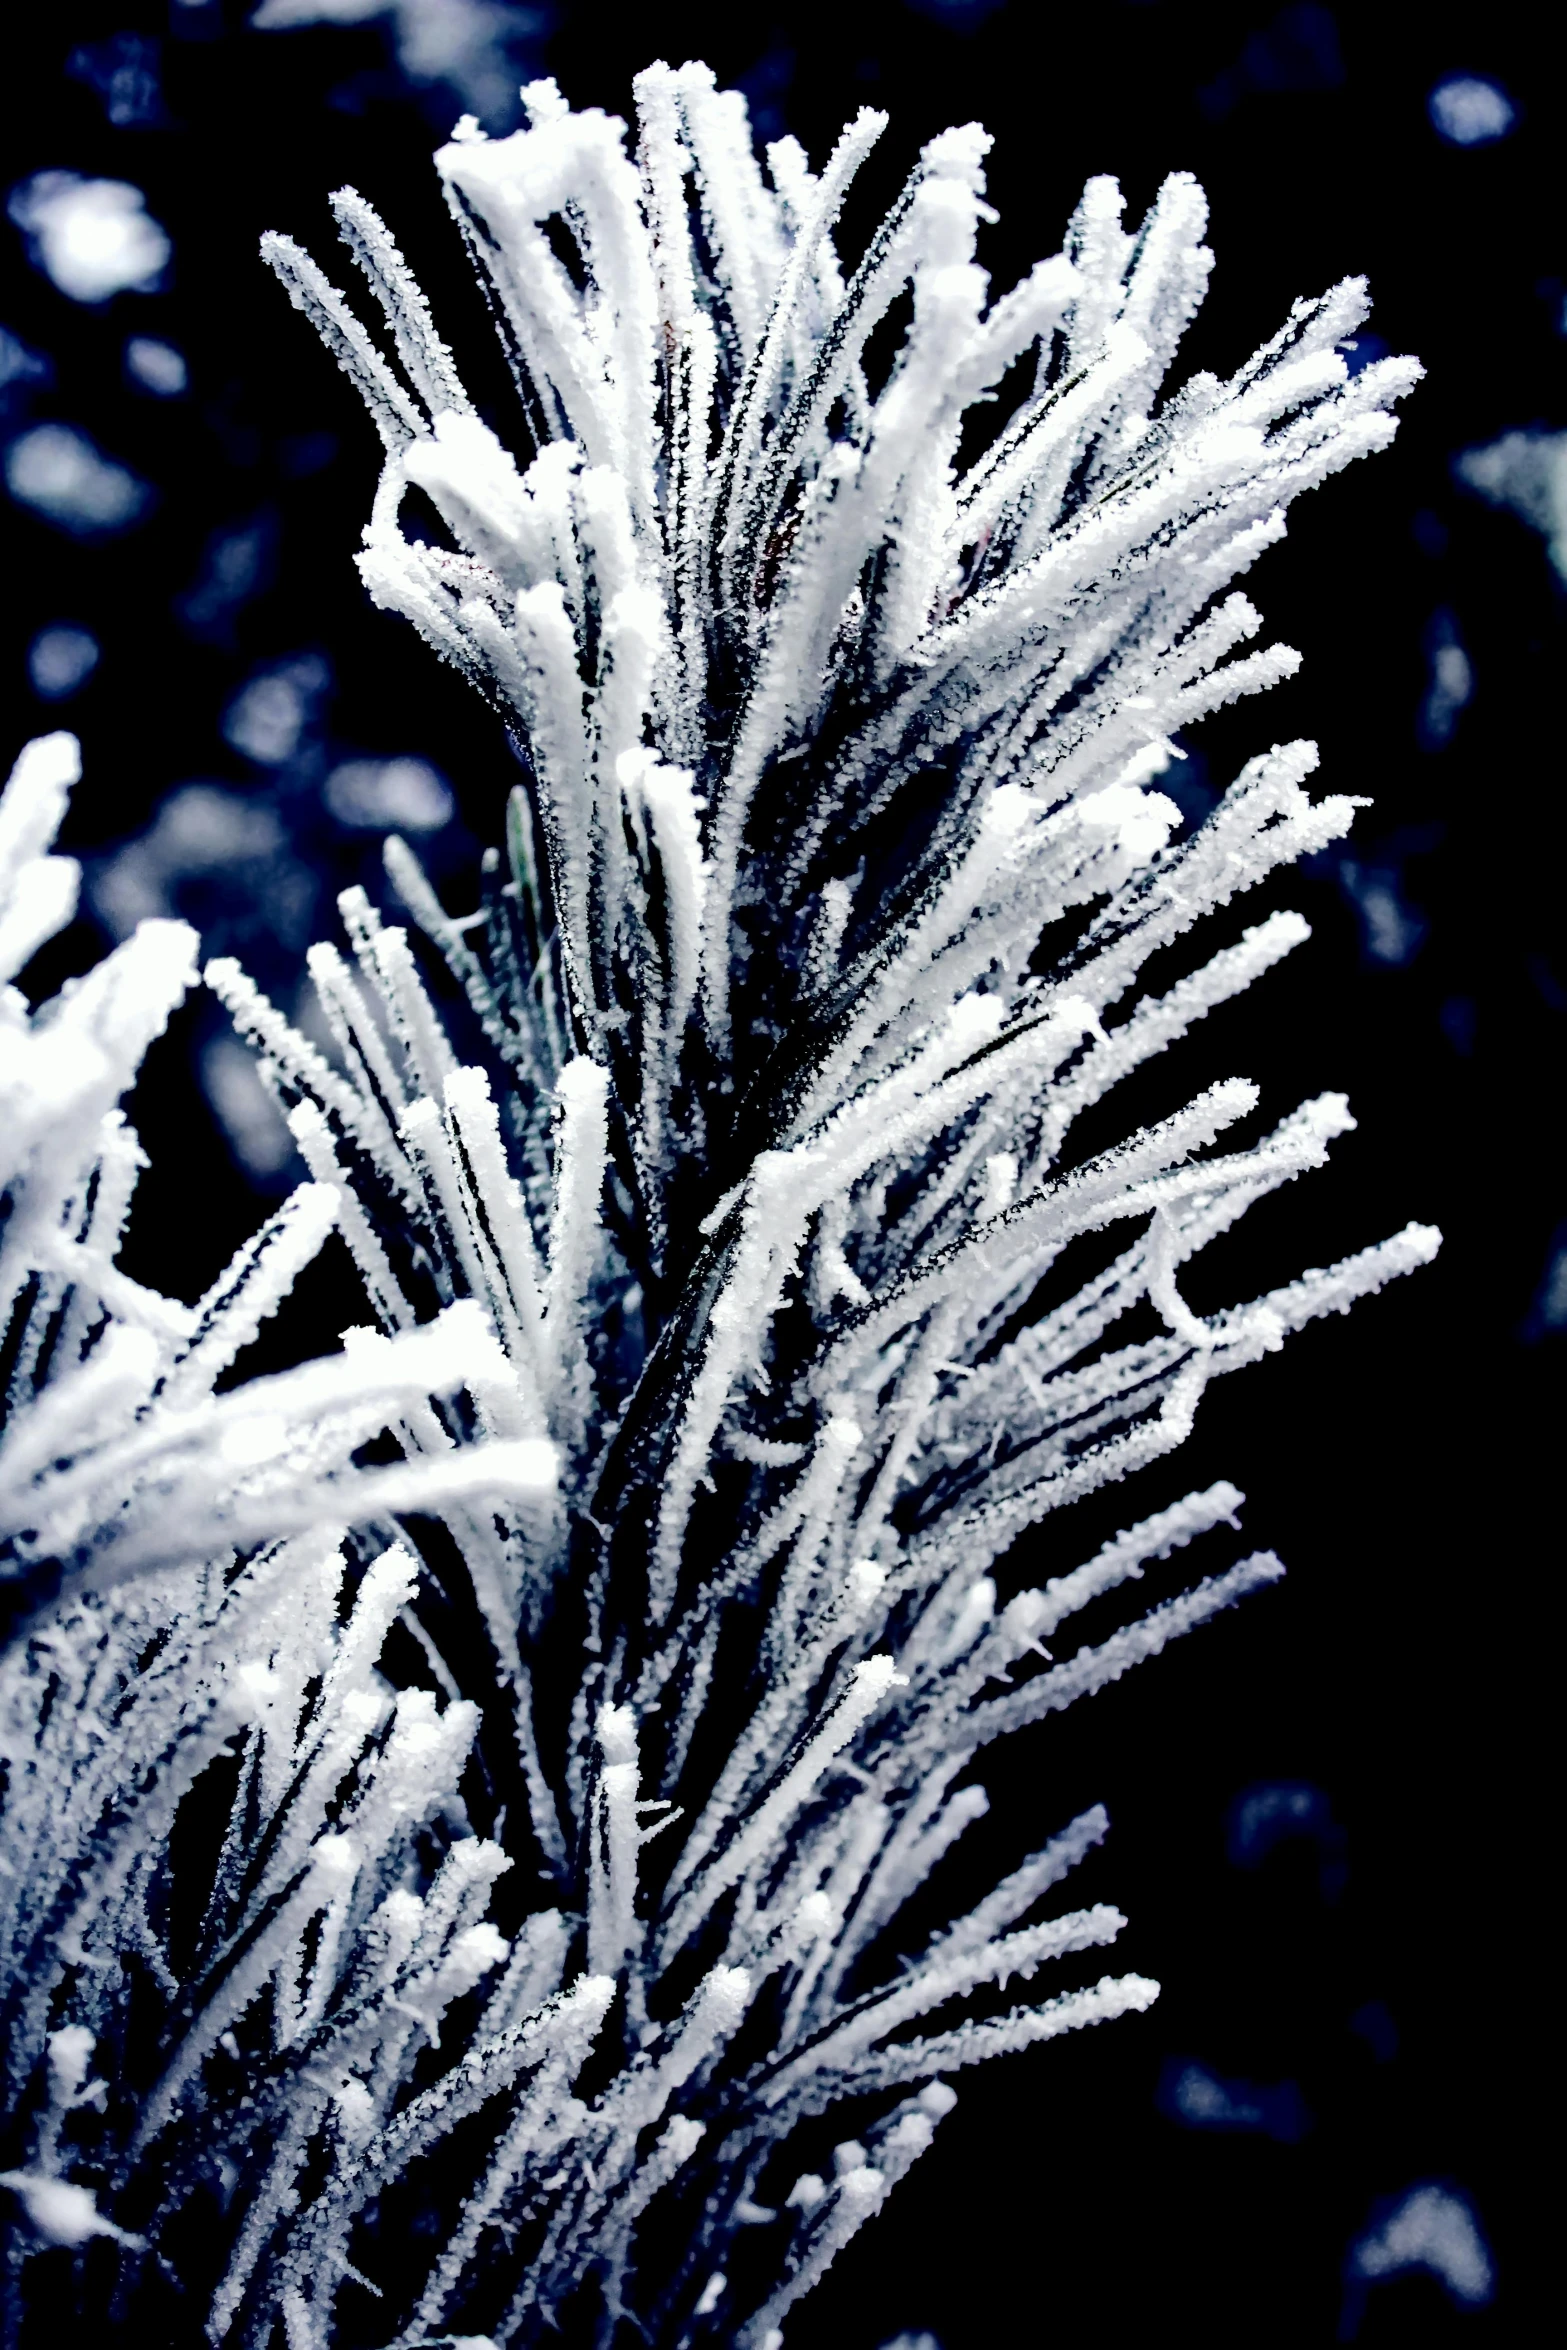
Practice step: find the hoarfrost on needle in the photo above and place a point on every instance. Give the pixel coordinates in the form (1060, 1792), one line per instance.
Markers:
(715, 1243)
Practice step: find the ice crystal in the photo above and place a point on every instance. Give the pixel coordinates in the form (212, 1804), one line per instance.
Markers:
(741, 1184)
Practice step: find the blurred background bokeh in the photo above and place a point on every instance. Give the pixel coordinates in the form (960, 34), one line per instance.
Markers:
(1329, 1826)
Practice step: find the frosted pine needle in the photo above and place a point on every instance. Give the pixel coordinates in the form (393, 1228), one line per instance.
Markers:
(737, 1188)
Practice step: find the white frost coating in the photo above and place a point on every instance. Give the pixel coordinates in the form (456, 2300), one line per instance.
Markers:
(581, 1094)
(726, 1361)
(118, 1456)
(61, 2212)
(612, 1866)
(868, 1685)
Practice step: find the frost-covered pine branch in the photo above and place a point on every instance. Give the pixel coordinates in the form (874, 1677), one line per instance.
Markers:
(740, 1186)
(120, 1455)
(173, 1547)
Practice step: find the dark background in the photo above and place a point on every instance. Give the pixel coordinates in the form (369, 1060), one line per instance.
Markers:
(1388, 1961)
